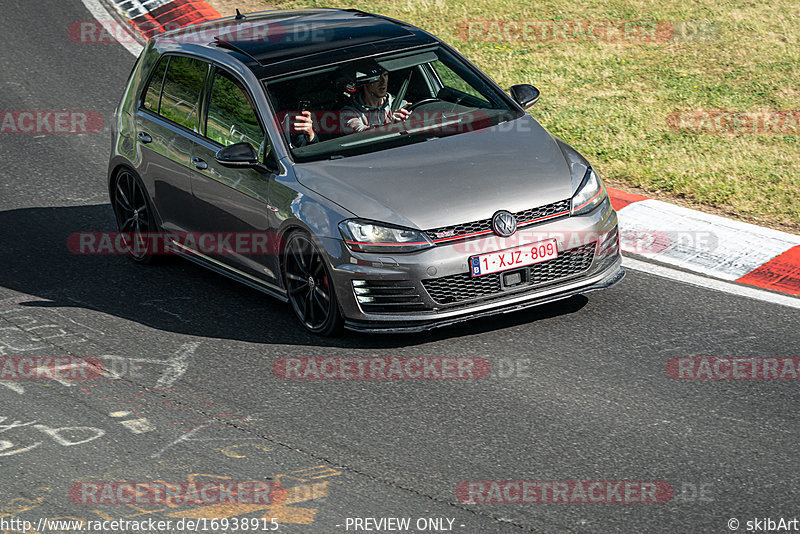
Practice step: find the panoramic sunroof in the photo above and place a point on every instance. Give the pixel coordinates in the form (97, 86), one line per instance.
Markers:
(267, 40)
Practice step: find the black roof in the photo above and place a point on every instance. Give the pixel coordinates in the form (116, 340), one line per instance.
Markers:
(273, 43)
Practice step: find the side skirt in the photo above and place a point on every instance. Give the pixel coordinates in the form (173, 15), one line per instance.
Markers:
(231, 272)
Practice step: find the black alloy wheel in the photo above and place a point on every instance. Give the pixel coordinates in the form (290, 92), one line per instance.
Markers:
(134, 216)
(309, 286)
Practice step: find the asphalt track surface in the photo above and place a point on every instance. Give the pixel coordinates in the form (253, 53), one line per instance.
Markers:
(593, 401)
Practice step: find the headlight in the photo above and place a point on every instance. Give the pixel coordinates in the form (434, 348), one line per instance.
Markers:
(590, 194)
(368, 236)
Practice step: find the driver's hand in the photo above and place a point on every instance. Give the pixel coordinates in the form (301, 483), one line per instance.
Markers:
(401, 114)
(302, 124)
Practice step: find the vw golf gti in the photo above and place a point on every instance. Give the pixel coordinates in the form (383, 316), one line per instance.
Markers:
(391, 184)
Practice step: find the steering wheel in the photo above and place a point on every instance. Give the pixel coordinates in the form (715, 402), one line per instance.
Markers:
(422, 102)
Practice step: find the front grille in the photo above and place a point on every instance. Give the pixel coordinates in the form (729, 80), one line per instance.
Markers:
(387, 296)
(462, 287)
(458, 231)
(533, 214)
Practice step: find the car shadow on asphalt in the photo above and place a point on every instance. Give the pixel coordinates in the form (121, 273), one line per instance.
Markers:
(177, 295)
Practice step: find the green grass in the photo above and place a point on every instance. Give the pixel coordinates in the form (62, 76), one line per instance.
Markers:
(610, 100)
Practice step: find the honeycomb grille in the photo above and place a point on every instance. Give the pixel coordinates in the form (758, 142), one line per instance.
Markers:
(462, 287)
(451, 233)
(532, 214)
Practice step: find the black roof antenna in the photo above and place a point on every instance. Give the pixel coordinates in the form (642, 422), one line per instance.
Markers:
(239, 16)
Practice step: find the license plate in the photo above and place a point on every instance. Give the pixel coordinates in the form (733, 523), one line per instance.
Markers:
(513, 257)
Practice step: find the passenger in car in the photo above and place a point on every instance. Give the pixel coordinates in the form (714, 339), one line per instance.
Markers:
(300, 127)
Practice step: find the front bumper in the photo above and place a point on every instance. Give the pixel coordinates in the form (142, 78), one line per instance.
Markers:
(419, 323)
(438, 284)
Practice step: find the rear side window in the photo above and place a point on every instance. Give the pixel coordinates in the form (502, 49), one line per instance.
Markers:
(231, 115)
(152, 97)
(180, 97)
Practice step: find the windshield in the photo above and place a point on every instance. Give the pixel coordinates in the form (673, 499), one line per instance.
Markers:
(380, 103)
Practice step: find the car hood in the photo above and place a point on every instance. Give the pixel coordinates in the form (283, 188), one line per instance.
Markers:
(451, 180)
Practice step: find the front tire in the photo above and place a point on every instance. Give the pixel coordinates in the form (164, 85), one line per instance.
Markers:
(134, 215)
(310, 287)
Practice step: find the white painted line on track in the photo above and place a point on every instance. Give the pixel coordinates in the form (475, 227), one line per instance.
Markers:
(105, 18)
(12, 386)
(178, 363)
(138, 426)
(710, 283)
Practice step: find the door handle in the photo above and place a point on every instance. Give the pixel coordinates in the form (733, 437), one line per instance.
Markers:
(199, 163)
(144, 137)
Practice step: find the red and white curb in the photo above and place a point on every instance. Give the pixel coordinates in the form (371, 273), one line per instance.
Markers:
(712, 245)
(150, 17)
(727, 255)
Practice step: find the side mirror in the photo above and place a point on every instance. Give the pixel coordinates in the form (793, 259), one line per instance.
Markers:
(238, 155)
(525, 95)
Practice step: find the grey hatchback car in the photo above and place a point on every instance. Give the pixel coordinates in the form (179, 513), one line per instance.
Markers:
(356, 167)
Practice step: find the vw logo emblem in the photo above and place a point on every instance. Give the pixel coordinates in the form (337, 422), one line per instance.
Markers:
(504, 224)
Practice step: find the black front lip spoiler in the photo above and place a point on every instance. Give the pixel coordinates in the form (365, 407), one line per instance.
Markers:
(398, 328)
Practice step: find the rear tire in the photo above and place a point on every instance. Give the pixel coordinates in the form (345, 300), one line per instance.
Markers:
(310, 287)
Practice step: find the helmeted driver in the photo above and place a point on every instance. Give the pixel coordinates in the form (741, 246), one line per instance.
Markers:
(372, 105)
